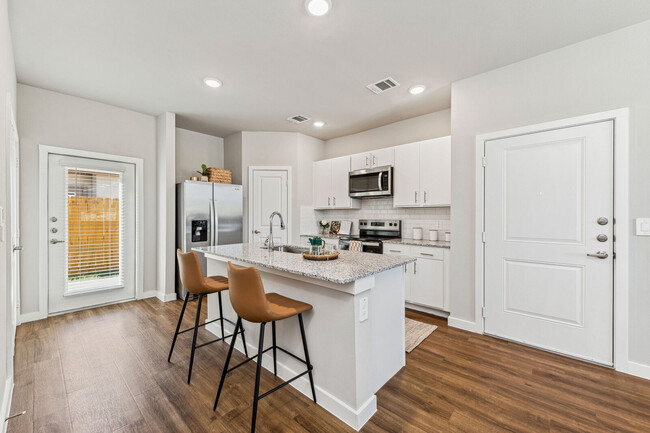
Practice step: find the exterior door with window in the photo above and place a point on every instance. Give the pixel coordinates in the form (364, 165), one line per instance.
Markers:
(91, 232)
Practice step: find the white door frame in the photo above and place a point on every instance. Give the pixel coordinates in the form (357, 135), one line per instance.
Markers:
(621, 213)
(44, 152)
(253, 168)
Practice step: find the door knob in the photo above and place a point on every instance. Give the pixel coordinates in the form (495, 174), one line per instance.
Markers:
(257, 232)
(55, 241)
(18, 248)
(599, 254)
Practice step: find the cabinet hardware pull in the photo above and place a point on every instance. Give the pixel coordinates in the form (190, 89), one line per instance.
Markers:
(416, 196)
(366, 160)
(329, 202)
(334, 201)
(415, 268)
(395, 251)
(427, 254)
(425, 196)
(374, 160)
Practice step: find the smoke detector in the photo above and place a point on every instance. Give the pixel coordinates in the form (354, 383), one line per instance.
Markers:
(298, 118)
(383, 85)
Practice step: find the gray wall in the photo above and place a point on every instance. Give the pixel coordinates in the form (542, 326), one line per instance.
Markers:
(7, 86)
(604, 73)
(54, 119)
(194, 149)
(432, 125)
(166, 204)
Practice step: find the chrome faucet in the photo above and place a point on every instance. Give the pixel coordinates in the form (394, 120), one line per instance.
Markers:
(282, 227)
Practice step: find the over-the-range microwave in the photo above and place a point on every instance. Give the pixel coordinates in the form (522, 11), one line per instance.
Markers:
(372, 182)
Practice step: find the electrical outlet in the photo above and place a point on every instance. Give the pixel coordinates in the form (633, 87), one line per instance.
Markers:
(363, 309)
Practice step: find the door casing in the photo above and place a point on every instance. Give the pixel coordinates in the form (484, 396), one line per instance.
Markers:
(43, 153)
(620, 118)
(287, 218)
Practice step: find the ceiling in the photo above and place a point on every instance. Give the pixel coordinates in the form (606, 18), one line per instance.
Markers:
(275, 60)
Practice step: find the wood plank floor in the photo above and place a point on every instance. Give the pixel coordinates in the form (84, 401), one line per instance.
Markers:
(106, 370)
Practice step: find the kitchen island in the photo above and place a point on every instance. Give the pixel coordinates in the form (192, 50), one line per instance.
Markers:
(355, 332)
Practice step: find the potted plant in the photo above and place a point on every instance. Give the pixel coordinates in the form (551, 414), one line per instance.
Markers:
(203, 173)
(324, 225)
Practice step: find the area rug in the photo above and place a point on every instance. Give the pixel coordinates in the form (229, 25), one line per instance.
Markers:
(416, 332)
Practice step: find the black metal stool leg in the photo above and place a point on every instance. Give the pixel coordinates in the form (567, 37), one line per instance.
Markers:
(223, 334)
(260, 352)
(196, 331)
(275, 355)
(309, 366)
(178, 327)
(243, 337)
(225, 367)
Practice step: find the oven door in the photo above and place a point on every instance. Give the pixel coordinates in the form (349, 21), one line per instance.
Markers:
(373, 182)
(373, 247)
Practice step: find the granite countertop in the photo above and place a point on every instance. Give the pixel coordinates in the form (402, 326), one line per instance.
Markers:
(420, 243)
(349, 267)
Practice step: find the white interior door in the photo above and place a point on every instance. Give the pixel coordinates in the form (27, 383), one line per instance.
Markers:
(548, 217)
(92, 232)
(270, 192)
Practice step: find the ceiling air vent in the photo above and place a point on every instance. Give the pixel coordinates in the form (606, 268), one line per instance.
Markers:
(383, 85)
(297, 118)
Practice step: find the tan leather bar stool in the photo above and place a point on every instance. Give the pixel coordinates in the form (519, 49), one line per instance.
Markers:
(196, 284)
(252, 304)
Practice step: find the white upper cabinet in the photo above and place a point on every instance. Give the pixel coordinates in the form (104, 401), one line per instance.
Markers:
(376, 158)
(406, 175)
(331, 185)
(422, 175)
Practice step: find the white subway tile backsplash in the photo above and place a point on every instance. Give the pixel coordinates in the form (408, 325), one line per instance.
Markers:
(427, 218)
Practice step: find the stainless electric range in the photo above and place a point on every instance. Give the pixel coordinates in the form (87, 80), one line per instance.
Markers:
(372, 233)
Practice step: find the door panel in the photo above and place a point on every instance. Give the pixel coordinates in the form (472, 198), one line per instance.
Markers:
(427, 287)
(91, 226)
(270, 194)
(323, 184)
(383, 157)
(228, 214)
(406, 182)
(544, 193)
(340, 182)
(360, 161)
(435, 172)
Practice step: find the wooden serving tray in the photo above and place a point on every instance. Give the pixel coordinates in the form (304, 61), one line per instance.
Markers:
(322, 257)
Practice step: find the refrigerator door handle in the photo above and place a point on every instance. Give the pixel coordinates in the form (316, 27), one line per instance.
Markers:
(215, 231)
(211, 224)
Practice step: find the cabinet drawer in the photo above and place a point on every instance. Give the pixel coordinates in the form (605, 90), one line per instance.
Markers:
(428, 253)
(396, 250)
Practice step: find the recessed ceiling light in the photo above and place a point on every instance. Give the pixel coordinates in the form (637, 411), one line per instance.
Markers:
(318, 7)
(416, 90)
(212, 82)
(319, 124)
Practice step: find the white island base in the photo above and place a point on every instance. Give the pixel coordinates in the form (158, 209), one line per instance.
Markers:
(352, 357)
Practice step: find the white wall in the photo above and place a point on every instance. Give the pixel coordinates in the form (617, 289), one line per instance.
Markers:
(604, 73)
(194, 149)
(7, 86)
(432, 125)
(166, 222)
(46, 117)
(295, 150)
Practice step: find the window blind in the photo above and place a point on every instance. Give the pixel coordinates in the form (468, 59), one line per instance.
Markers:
(95, 230)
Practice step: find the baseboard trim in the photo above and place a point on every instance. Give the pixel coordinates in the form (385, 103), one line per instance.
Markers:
(6, 401)
(156, 294)
(354, 418)
(638, 369)
(428, 310)
(32, 317)
(463, 324)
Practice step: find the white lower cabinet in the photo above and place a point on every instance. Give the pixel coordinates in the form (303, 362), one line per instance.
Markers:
(426, 280)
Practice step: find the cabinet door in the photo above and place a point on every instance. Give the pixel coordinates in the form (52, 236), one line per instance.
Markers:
(340, 182)
(427, 287)
(323, 184)
(435, 172)
(382, 157)
(402, 250)
(406, 175)
(360, 161)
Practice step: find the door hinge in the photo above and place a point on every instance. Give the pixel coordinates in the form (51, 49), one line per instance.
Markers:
(484, 312)
(484, 161)
(483, 237)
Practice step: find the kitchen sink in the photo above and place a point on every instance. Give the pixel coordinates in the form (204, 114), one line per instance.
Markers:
(289, 249)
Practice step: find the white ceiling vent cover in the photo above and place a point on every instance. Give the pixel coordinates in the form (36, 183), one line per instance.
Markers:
(383, 85)
(298, 118)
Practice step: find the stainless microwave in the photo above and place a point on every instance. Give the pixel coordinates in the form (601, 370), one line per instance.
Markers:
(372, 182)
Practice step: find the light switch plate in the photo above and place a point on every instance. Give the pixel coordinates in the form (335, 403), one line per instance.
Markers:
(642, 227)
(363, 309)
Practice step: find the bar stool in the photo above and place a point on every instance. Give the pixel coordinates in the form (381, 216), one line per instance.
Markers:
(196, 284)
(252, 304)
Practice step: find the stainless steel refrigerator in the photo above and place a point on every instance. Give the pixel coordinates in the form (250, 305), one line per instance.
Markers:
(207, 214)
